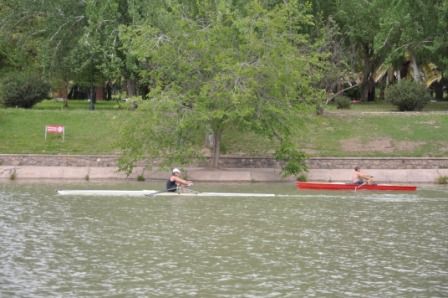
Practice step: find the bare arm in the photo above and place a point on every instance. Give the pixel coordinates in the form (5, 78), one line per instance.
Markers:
(364, 176)
(182, 182)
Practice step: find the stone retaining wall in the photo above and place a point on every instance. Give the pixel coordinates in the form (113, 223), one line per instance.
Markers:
(232, 162)
(241, 169)
(379, 163)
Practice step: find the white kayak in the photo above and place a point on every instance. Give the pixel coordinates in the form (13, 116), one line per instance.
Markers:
(154, 193)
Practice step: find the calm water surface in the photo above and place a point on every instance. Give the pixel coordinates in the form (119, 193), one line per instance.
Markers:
(313, 244)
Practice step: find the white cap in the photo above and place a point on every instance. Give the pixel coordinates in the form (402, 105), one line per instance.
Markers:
(176, 170)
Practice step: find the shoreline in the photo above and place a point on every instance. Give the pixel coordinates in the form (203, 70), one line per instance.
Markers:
(232, 169)
(428, 176)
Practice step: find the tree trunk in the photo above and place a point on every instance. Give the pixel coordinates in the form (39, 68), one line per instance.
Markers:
(415, 69)
(367, 86)
(372, 90)
(108, 90)
(438, 90)
(99, 92)
(65, 95)
(92, 98)
(216, 149)
(131, 87)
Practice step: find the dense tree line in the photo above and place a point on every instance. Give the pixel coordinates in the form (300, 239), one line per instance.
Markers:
(83, 41)
(215, 65)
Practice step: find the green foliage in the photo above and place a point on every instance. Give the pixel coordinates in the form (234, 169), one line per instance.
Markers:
(442, 180)
(154, 132)
(320, 109)
(370, 33)
(229, 68)
(343, 102)
(23, 90)
(408, 95)
(353, 93)
(293, 160)
(423, 32)
(133, 103)
(13, 175)
(302, 177)
(65, 40)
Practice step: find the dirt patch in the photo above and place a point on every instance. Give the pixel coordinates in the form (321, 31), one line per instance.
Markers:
(382, 144)
(356, 145)
(429, 122)
(432, 123)
(408, 146)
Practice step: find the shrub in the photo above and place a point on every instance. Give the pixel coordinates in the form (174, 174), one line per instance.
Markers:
(13, 175)
(319, 109)
(302, 177)
(442, 180)
(23, 90)
(342, 102)
(133, 103)
(407, 95)
(354, 92)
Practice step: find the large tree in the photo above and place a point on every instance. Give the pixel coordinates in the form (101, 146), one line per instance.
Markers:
(217, 66)
(372, 32)
(378, 32)
(68, 40)
(424, 37)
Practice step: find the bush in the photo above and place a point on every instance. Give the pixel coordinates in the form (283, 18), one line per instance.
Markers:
(354, 92)
(408, 95)
(442, 180)
(302, 177)
(342, 102)
(23, 90)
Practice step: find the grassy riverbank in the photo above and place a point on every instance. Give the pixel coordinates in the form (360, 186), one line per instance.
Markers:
(363, 130)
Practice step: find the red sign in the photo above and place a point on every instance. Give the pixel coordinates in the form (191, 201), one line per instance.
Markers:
(55, 129)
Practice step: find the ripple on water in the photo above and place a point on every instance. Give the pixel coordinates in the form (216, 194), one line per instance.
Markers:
(351, 244)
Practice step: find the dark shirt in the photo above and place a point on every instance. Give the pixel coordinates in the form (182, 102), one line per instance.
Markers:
(171, 185)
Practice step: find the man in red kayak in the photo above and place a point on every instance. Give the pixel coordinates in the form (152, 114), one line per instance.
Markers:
(360, 178)
(175, 182)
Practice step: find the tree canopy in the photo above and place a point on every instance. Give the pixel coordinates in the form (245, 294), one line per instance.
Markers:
(225, 68)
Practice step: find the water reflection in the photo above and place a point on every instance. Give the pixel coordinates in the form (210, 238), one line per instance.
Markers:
(315, 244)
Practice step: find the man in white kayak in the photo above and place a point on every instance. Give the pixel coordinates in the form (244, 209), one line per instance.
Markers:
(175, 182)
(360, 178)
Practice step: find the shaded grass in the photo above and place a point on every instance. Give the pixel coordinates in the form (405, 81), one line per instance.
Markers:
(382, 106)
(79, 104)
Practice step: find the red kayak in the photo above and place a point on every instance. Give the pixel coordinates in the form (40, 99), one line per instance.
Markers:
(350, 186)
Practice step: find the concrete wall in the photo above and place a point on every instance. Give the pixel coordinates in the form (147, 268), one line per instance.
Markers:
(232, 162)
(233, 168)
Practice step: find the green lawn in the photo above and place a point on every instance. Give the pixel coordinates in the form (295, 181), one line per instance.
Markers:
(86, 132)
(345, 133)
(377, 135)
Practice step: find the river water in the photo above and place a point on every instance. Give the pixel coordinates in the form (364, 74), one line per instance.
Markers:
(308, 244)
